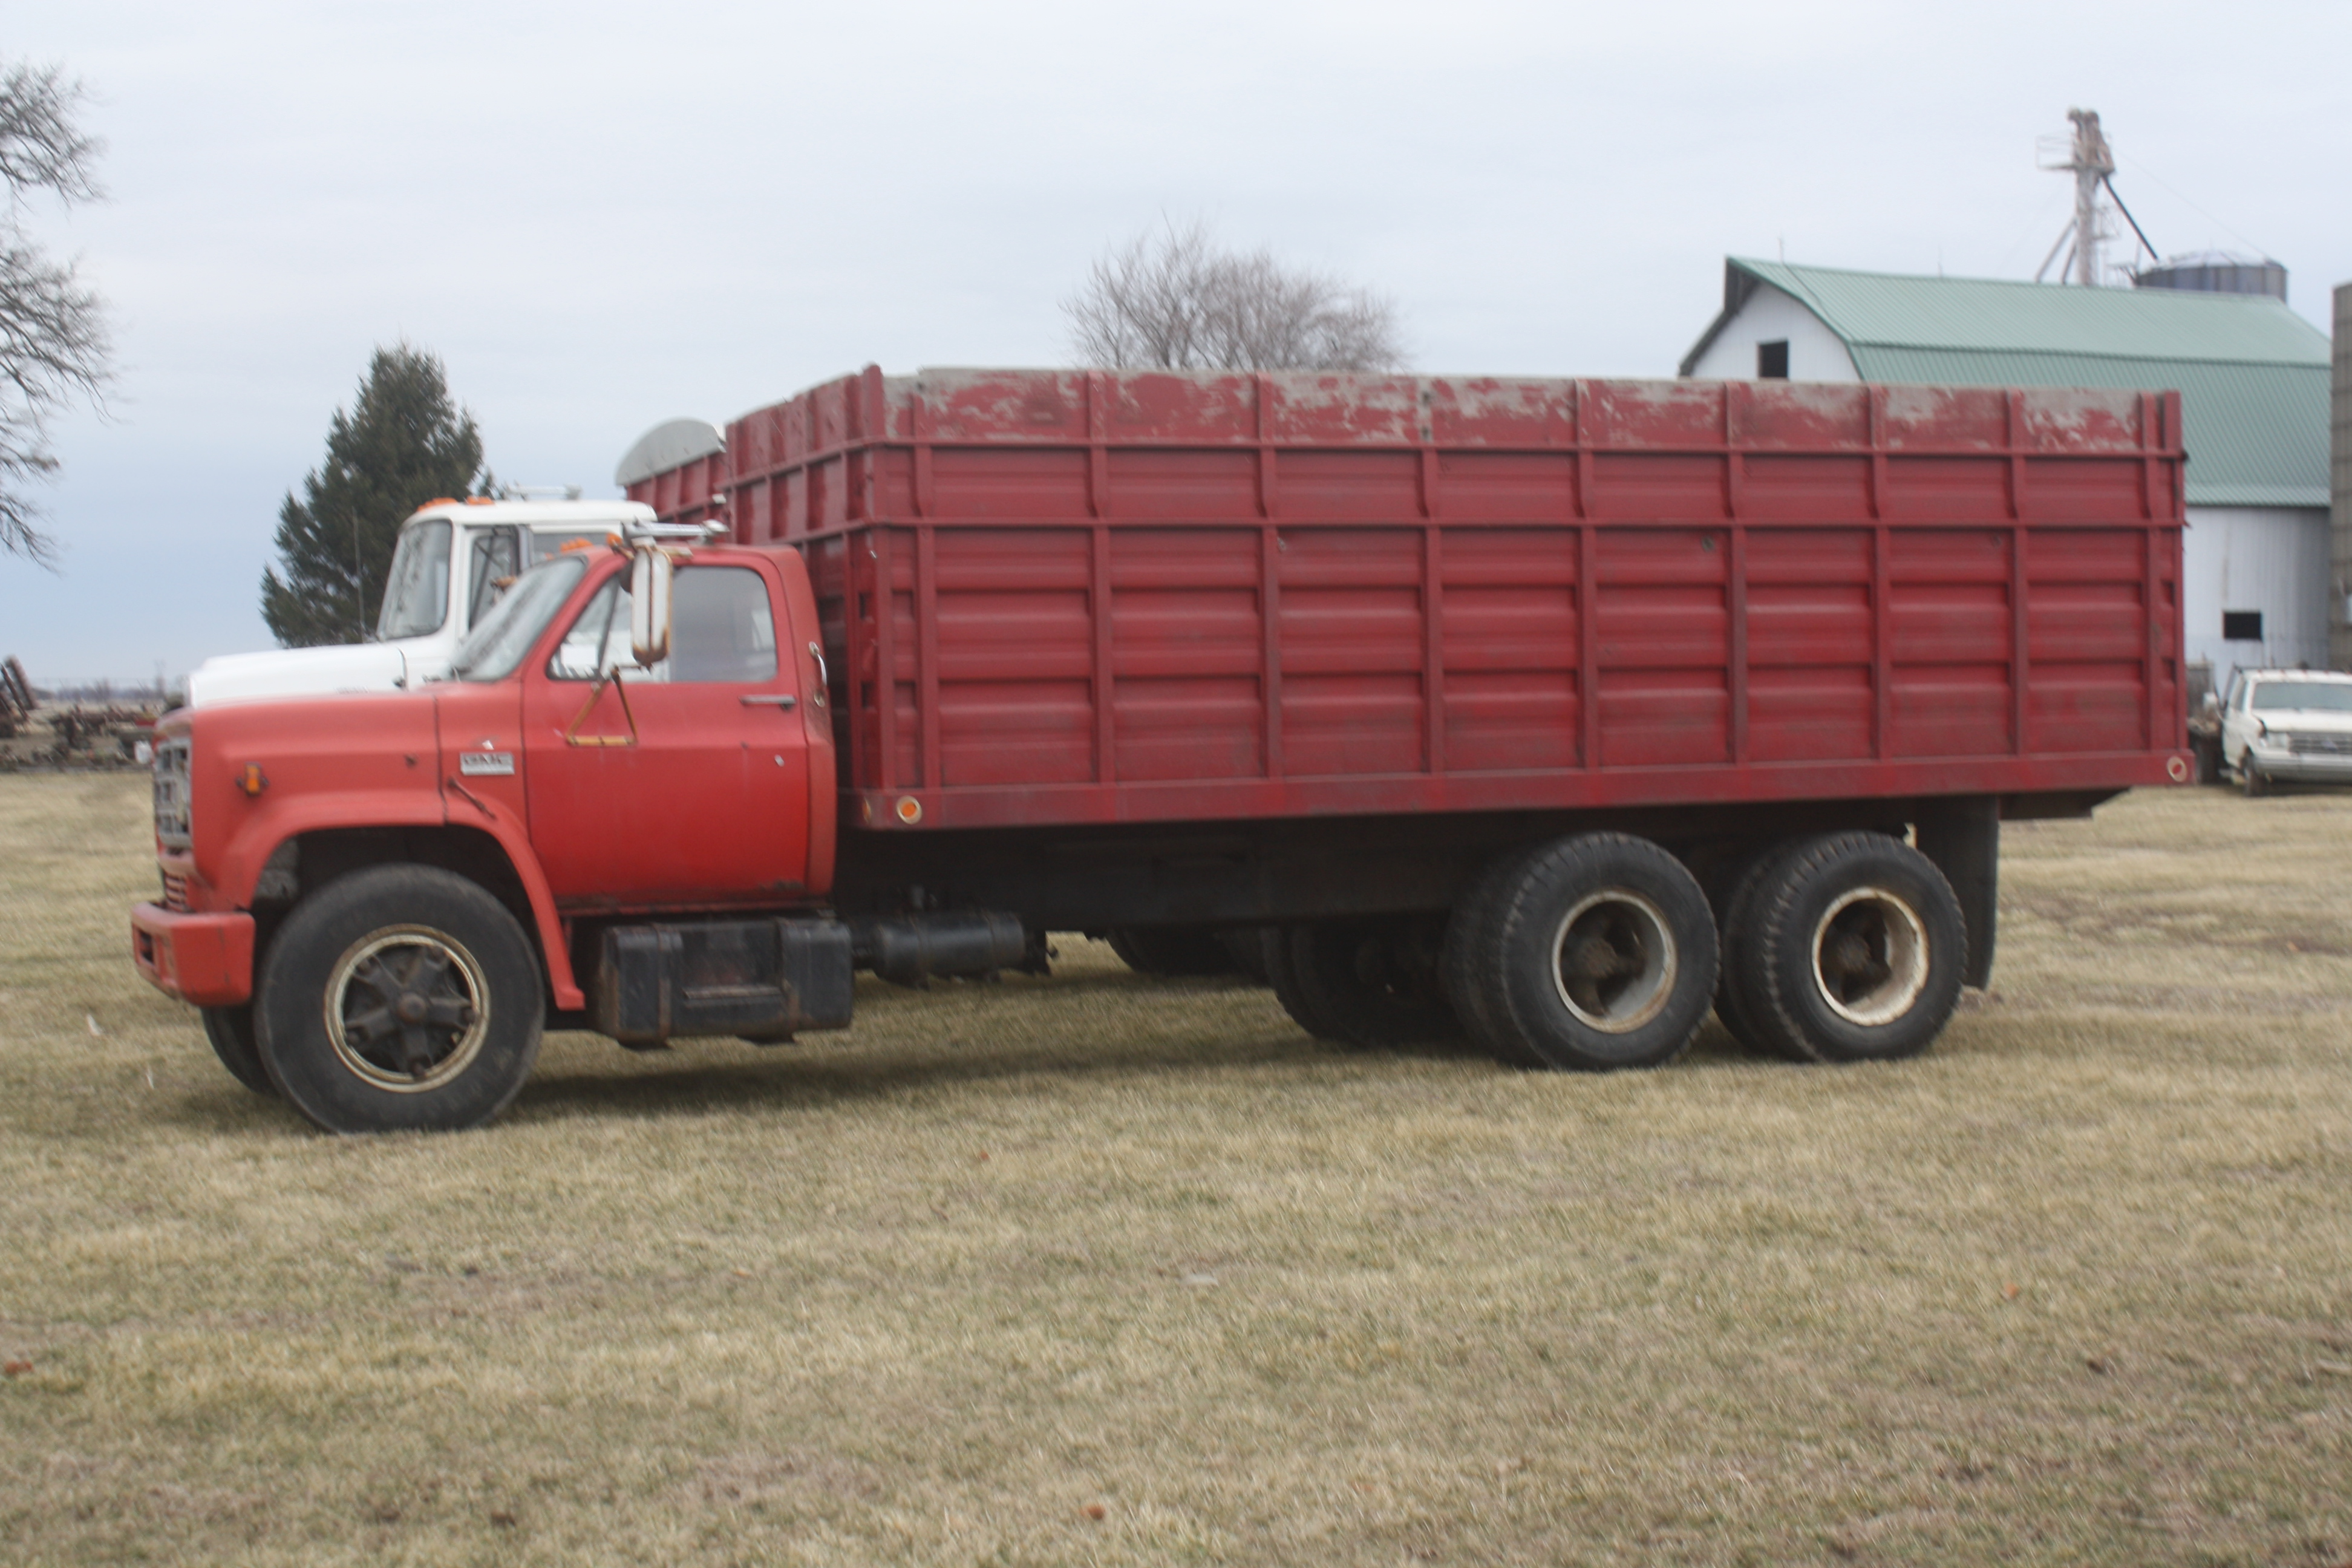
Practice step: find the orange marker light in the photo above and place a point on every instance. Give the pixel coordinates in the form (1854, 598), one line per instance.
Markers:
(909, 809)
(251, 779)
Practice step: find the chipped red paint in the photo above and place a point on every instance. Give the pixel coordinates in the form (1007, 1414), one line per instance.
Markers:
(1085, 597)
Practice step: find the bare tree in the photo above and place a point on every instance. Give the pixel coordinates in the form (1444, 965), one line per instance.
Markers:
(53, 337)
(1174, 301)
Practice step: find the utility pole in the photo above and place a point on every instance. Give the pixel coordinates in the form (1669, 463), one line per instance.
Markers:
(2090, 163)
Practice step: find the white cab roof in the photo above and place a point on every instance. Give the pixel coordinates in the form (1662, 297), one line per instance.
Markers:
(542, 513)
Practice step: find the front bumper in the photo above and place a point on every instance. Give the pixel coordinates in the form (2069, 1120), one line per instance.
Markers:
(205, 959)
(2298, 765)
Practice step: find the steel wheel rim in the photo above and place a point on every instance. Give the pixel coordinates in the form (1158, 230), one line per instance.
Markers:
(1614, 960)
(411, 1049)
(1870, 956)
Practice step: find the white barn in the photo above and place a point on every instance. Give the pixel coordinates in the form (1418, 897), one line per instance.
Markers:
(2253, 380)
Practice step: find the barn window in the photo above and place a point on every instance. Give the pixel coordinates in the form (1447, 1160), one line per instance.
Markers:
(2241, 625)
(1772, 361)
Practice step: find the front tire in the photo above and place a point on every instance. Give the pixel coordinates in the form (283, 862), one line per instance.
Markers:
(400, 998)
(230, 1030)
(1854, 952)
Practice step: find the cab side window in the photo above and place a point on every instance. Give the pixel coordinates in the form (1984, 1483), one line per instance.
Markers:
(599, 640)
(722, 630)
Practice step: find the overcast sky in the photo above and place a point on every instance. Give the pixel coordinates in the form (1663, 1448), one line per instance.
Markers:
(600, 216)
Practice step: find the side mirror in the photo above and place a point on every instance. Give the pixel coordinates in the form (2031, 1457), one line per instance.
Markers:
(649, 579)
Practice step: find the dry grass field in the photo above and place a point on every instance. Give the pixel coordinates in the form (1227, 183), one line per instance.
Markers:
(1097, 1269)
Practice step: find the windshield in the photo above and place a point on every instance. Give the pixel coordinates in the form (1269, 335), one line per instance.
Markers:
(492, 649)
(493, 564)
(417, 593)
(2310, 696)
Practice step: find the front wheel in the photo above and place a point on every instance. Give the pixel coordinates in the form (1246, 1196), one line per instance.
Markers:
(230, 1030)
(399, 997)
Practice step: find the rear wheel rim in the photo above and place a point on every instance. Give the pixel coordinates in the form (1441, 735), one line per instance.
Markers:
(407, 1009)
(1615, 960)
(1870, 957)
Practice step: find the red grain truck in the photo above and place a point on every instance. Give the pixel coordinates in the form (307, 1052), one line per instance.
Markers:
(1548, 712)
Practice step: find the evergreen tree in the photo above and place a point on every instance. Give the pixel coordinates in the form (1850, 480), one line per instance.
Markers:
(403, 444)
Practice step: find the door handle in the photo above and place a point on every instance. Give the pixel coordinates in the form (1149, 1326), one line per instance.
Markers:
(769, 700)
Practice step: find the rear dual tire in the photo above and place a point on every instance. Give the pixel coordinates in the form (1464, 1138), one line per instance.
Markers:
(1371, 983)
(1593, 953)
(1847, 948)
(1735, 915)
(1171, 953)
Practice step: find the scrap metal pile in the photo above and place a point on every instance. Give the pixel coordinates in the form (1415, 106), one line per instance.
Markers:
(79, 735)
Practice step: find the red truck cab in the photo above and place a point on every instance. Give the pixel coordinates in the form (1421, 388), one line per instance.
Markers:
(424, 875)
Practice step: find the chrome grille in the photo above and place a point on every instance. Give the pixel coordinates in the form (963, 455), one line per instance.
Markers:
(176, 891)
(2321, 745)
(175, 828)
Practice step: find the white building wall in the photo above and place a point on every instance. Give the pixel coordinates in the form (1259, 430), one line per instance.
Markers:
(2271, 559)
(1815, 353)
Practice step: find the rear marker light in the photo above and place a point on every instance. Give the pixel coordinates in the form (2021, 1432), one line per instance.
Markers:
(251, 779)
(909, 809)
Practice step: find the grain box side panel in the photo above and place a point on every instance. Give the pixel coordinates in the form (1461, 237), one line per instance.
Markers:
(1952, 646)
(2087, 641)
(1187, 636)
(1811, 629)
(1511, 640)
(1352, 640)
(1015, 644)
(1661, 610)
(1507, 487)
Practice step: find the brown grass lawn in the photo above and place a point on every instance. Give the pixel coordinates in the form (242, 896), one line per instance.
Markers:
(1104, 1270)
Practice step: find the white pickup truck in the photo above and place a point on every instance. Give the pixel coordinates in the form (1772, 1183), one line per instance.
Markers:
(2287, 726)
(452, 559)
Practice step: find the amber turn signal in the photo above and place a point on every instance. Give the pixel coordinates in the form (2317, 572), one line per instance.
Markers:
(251, 779)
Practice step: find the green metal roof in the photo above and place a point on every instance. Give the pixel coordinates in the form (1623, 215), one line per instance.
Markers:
(2253, 374)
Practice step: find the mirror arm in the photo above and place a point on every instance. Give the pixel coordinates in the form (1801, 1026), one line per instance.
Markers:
(572, 736)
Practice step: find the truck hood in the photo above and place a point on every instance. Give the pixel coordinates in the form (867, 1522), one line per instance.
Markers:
(298, 672)
(2307, 720)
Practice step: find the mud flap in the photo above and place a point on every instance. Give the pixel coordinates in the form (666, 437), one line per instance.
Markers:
(1963, 839)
